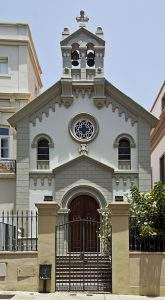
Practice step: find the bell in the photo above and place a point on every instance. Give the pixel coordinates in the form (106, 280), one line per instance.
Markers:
(90, 62)
(91, 59)
(75, 58)
(75, 63)
(91, 55)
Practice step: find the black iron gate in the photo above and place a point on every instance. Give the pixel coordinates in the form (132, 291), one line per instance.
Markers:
(81, 263)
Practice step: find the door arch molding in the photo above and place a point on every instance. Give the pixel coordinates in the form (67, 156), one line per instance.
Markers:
(83, 190)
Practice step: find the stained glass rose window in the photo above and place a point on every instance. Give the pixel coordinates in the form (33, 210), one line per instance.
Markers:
(83, 128)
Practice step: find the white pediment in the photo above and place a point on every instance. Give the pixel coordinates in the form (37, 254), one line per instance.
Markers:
(82, 36)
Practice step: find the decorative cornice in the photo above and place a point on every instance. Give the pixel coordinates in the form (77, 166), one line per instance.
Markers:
(116, 106)
(44, 101)
(83, 91)
(45, 110)
(38, 176)
(132, 177)
(133, 107)
(63, 93)
(119, 209)
(15, 95)
(7, 109)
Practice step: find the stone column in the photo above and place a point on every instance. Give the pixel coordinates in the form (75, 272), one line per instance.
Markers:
(22, 174)
(120, 247)
(144, 156)
(47, 218)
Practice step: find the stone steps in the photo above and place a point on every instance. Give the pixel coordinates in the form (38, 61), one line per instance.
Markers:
(83, 272)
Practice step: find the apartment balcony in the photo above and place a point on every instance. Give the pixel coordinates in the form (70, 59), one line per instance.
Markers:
(7, 166)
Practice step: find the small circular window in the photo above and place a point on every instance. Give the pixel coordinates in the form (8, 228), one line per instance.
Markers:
(83, 128)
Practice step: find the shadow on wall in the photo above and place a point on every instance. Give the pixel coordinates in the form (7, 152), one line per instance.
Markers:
(150, 274)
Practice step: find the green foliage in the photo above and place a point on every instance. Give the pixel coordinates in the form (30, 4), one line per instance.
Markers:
(105, 230)
(147, 210)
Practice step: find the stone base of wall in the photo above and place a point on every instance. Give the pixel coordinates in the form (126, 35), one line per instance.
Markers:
(19, 271)
(147, 273)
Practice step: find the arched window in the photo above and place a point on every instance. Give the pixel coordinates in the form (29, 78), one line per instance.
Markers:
(124, 154)
(43, 154)
(124, 151)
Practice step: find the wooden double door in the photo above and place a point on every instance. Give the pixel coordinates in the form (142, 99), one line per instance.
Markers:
(84, 223)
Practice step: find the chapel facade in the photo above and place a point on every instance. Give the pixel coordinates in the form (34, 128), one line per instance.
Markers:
(82, 143)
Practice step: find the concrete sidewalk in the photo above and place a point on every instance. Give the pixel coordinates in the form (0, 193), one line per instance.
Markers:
(71, 296)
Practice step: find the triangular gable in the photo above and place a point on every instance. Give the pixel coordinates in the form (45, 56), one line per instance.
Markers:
(83, 157)
(55, 92)
(78, 32)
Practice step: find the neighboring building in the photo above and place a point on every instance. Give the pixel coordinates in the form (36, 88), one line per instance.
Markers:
(158, 138)
(20, 82)
(82, 139)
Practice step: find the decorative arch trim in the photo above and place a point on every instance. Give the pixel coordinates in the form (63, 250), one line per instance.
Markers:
(42, 136)
(126, 136)
(83, 190)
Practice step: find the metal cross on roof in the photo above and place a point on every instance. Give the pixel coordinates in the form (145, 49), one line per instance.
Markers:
(82, 19)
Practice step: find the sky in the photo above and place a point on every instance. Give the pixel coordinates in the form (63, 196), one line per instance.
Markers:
(134, 31)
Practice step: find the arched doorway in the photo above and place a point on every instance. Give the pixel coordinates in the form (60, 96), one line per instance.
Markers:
(84, 222)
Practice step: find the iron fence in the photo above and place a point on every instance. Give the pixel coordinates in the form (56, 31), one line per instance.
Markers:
(81, 261)
(18, 231)
(152, 243)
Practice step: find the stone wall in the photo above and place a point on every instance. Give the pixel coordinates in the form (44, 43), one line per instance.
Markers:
(76, 174)
(147, 273)
(22, 181)
(19, 271)
(144, 156)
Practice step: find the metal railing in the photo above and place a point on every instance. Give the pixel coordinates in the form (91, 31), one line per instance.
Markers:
(8, 166)
(19, 231)
(154, 243)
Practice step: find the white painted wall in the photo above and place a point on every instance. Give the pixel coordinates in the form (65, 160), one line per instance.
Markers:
(37, 192)
(21, 77)
(7, 193)
(33, 85)
(155, 156)
(10, 83)
(102, 149)
(123, 189)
